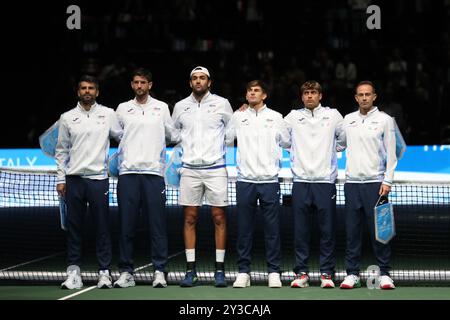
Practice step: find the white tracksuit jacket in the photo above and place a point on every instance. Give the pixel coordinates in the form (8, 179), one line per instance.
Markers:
(370, 143)
(260, 137)
(83, 142)
(315, 137)
(202, 126)
(145, 130)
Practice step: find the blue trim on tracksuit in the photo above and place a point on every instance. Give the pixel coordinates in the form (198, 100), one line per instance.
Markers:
(320, 199)
(360, 200)
(247, 195)
(79, 192)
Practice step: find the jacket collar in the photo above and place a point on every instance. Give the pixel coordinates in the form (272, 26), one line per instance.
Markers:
(93, 107)
(205, 97)
(372, 111)
(264, 107)
(314, 111)
(136, 103)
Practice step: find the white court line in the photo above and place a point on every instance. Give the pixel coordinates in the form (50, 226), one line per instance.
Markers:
(32, 261)
(77, 293)
(93, 287)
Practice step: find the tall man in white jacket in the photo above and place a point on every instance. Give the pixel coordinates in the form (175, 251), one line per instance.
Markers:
(202, 118)
(316, 134)
(147, 124)
(371, 161)
(261, 134)
(81, 157)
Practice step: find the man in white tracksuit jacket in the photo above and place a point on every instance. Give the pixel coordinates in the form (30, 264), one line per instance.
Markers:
(147, 124)
(202, 118)
(369, 174)
(316, 135)
(81, 156)
(261, 134)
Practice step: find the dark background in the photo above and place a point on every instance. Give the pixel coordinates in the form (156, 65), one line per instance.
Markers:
(282, 42)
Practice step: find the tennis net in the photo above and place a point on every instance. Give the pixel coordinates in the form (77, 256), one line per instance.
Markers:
(32, 244)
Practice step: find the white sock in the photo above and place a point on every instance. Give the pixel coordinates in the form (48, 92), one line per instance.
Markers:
(190, 255)
(220, 255)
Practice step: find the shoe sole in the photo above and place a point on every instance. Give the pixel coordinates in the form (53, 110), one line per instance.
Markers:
(248, 284)
(387, 288)
(327, 286)
(125, 286)
(220, 285)
(299, 286)
(66, 288)
(193, 284)
(159, 285)
(349, 287)
(239, 287)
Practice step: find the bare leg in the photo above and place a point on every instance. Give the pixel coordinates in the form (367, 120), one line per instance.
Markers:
(189, 230)
(220, 224)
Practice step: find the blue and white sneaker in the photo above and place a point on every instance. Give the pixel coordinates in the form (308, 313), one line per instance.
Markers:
(219, 279)
(190, 279)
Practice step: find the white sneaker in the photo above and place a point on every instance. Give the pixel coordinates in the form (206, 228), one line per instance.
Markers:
(326, 281)
(351, 281)
(73, 280)
(242, 280)
(386, 283)
(125, 280)
(274, 280)
(104, 280)
(159, 280)
(302, 281)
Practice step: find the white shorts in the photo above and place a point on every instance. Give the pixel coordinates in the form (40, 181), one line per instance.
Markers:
(210, 184)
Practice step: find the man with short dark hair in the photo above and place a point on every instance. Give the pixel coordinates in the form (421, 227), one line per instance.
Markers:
(316, 135)
(146, 124)
(369, 174)
(202, 118)
(261, 134)
(81, 153)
